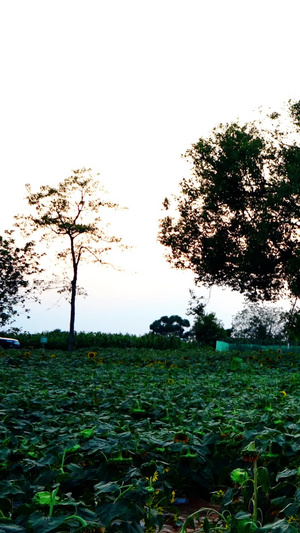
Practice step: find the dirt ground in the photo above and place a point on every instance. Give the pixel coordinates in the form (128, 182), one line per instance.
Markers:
(185, 510)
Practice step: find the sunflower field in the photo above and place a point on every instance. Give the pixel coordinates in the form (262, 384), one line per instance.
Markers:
(115, 439)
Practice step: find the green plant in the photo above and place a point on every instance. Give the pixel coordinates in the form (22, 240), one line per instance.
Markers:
(99, 431)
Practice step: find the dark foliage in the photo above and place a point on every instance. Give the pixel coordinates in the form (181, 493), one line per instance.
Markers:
(260, 324)
(17, 266)
(170, 325)
(58, 339)
(238, 215)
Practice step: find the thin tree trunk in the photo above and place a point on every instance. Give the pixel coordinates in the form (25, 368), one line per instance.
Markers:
(72, 316)
(73, 298)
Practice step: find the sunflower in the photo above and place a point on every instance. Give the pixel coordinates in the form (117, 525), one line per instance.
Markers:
(92, 355)
(181, 437)
(250, 454)
(250, 457)
(155, 476)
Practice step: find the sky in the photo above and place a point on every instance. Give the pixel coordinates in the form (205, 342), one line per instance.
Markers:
(125, 88)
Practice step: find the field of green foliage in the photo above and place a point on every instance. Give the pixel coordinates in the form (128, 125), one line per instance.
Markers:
(111, 439)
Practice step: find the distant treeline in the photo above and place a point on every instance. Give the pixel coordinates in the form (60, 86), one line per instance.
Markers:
(58, 340)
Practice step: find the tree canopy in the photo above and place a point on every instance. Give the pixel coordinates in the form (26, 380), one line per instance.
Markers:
(170, 325)
(206, 328)
(70, 213)
(260, 324)
(18, 267)
(237, 218)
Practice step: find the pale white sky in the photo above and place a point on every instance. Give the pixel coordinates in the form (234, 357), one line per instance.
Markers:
(125, 87)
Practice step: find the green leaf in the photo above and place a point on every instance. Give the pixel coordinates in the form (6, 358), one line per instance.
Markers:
(229, 495)
(4, 452)
(106, 487)
(121, 510)
(286, 473)
(263, 478)
(87, 433)
(190, 523)
(292, 509)
(11, 528)
(236, 363)
(276, 502)
(73, 448)
(279, 526)
(239, 475)
(8, 488)
(244, 523)
(43, 524)
(206, 525)
(44, 498)
(130, 527)
(246, 526)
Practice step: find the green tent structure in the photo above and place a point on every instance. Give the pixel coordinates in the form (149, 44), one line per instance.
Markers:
(222, 346)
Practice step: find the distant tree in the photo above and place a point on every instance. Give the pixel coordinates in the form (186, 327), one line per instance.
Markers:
(70, 212)
(168, 326)
(236, 221)
(18, 267)
(260, 324)
(207, 328)
(196, 306)
(291, 321)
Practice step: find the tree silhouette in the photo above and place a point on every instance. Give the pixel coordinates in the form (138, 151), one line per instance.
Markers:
(170, 326)
(18, 267)
(207, 328)
(260, 324)
(70, 213)
(237, 219)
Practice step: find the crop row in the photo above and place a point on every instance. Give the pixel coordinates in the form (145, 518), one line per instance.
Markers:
(111, 440)
(58, 340)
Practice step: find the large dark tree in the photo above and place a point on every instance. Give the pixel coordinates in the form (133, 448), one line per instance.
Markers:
(18, 267)
(71, 217)
(237, 218)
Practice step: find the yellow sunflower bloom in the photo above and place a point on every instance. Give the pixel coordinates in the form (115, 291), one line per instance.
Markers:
(155, 476)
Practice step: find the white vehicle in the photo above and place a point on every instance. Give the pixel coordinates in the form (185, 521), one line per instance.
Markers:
(5, 342)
